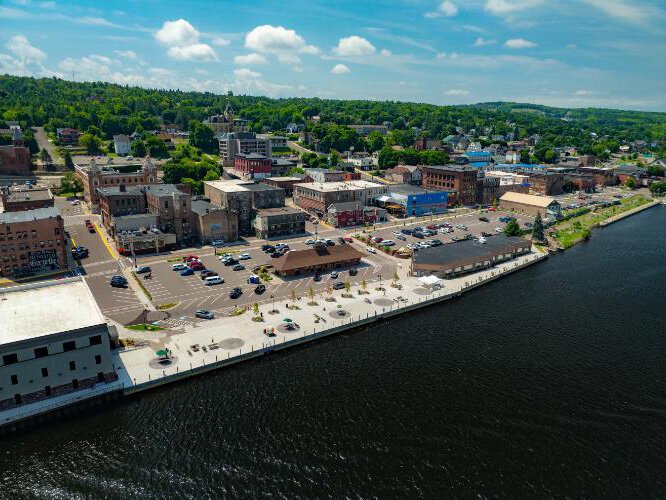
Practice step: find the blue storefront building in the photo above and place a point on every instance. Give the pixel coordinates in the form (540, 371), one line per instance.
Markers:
(418, 201)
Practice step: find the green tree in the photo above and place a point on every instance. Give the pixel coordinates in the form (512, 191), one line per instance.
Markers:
(91, 142)
(69, 163)
(537, 230)
(658, 188)
(45, 156)
(311, 294)
(156, 147)
(333, 158)
(512, 228)
(630, 183)
(347, 286)
(70, 183)
(138, 149)
(211, 175)
(374, 141)
(255, 309)
(202, 137)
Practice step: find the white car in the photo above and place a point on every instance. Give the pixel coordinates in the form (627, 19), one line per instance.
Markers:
(280, 245)
(217, 243)
(498, 229)
(178, 267)
(75, 202)
(397, 233)
(244, 256)
(371, 250)
(423, 244)
(388, 243)
(129, 158)
(309, 242)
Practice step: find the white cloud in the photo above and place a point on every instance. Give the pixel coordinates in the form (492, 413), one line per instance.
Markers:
(519, 43)
(195, 52)
(340, 69)
(221, 42)
(249, 59)
(48, 5)
(386, 52)
(354, 46)
(458, 92)
(127, 54)
(501, 7)
(95, 21)
(482, 42)
(636, 14)
(201, 71)
(446, 8)
(177, 33)
(246, 73)
(279, 41)
(21, 48)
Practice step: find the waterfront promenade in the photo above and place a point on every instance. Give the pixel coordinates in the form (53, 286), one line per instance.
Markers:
(229, 340)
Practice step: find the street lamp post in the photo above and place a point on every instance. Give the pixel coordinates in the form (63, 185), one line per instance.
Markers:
(273, 302)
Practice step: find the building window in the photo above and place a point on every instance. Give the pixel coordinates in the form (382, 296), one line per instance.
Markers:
(98, 359)
(100, 377)
(10, 359)
(72, 365)
(96, 340)
(69, 346)
(14, 379)
(75, 383)
(41, 352)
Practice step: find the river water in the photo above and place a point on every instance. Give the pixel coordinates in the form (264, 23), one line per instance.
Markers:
(548, 383)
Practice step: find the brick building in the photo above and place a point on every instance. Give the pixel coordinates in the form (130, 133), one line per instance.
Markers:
(233, 143)
(460, 178)
(121, 200)
(94, 177)
(286, 183)
(67, 136)
(18, 198)
(211, 222)
(14, 160)
(252, 166)
(279, 222)
(317, 197)
(546, 184)
(173, 208)
(32, 241)
(351, 213)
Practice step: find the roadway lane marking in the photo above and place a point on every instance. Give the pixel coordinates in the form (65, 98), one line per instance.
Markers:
(106, 243)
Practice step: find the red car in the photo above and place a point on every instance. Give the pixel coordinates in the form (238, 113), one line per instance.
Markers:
(491, 209)
(432, 227)
(190, 258)
(195, 265)
(377, 239)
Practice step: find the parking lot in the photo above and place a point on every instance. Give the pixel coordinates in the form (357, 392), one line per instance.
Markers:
(189, 293)
(474, 226)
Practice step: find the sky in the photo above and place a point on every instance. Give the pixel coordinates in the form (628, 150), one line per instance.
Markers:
(568, 53)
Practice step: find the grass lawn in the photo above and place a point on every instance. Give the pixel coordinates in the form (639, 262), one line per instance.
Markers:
(144, 327)
(571, 231)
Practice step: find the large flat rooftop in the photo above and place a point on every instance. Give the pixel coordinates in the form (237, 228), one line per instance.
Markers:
(36, 310)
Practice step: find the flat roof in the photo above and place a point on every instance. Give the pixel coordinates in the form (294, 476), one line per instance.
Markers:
(28, 215)
(326, 187)
(527, 199)
(29, 195)
(282, 179)
(469, 250)
(279, 211)
(36, 310)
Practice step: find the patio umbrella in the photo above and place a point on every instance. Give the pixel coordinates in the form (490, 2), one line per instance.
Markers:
(162, 352)
(286, 320)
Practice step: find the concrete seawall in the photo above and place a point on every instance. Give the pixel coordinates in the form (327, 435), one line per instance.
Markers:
(386, 313)
(628, 213)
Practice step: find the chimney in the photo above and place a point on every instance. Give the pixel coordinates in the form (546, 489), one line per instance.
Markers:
(122, 188)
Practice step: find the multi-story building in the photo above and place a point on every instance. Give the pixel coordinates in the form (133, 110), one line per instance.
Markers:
(94, 177)
(15, 160)
(173, 208)
(286, 183)
(212, 222)
(281, 166)
(406, 200)
(252, 166)
(226, 122)
(279, 222)
(580, 182)
(139, 234)
(19, 198)
(67, 136)
(121, 144)
(278, 142)
(243, 198)
(32, 241)
(487, 189)
(233, 143)
(317, 197)
(507, 181)
(460, 178)
(121, 200)
(546, 184)
(404, 174)
(324, 175)
(353, 213)
(55, 343)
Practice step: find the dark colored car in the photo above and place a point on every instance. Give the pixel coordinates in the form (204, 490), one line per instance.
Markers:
(339, 285)
(235, 293)
(91, 229)
(204, 314)
(317, 277)
(239, 267)
(142, 269)
(79, 252)
(269, 249)
(187, 272)
(330, 243)
(230, 262)
(407, 231)
(275, 255)
(484, 219)
(418, 235)
(265, 248)
(435, 243)
(206, 273)
(353, 272)
(260, 289)
(118, 282)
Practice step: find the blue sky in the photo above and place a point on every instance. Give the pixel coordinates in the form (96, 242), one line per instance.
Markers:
(605, 53)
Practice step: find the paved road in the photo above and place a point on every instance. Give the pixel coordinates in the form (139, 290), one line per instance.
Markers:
(44, 143)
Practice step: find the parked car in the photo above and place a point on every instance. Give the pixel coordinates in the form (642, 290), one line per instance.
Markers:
(281, 245)
(407, 231)
(498, 229)
(207, 273)
(388, 243)
(235, 293)
(419, 235)
(401, 237)
(118, 282)
(353, 272)
(244, 256)
(371, 250)
(484, 219)
(217, 243)
(238, 267)
(178, 267)
(187, 272)
(213, 280)
(190, 258)
(396, 233)
(491, 209)
(259, 289)
(204, 314)
(317, 277)
(432, 226)
(196, 265)
(434, 243)
(143, 269)
(338, 285)
(334, 275)
(309, 241)
(230, 262)
(265, 248)
(276, 255)
(349, 240)
(330, 243)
